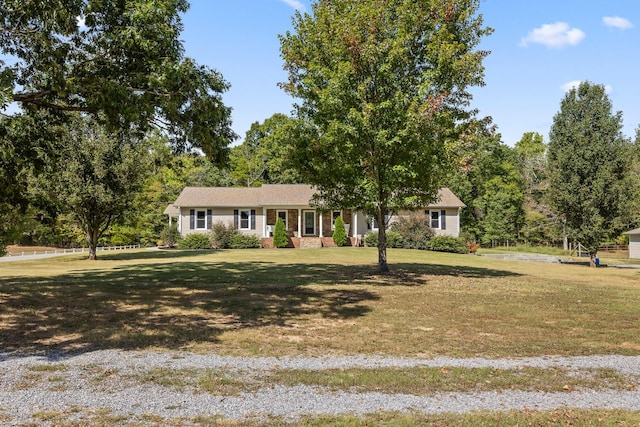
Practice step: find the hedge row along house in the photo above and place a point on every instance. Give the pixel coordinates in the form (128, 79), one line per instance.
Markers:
(255, 210)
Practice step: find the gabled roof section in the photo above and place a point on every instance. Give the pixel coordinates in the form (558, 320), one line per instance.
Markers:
(203, 197)
(634, 232)
(171, 210)
(446, 199)
(286, 194)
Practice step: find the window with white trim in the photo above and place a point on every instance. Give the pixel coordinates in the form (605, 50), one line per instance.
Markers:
(201, 220)
(434, 220)
(245, 219)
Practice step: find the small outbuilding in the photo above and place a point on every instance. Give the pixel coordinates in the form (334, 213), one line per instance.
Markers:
(634, 243)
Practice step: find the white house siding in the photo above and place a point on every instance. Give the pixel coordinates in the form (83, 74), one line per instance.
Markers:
(224, 215)
(634, 246)
(452, 222)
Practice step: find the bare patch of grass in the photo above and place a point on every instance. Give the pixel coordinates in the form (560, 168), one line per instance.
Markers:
(417, 380)
(426, 380)
(46, 375)
(213, 381)
(56, 367)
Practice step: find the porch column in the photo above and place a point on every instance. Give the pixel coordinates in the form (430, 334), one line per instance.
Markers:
(320, 225)
(354, 220)
(458, 220)
(264, 222)
(299, 222)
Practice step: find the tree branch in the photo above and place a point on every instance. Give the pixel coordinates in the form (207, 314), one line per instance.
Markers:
(36, 98)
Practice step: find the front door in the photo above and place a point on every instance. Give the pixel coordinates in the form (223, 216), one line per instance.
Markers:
(309, 223)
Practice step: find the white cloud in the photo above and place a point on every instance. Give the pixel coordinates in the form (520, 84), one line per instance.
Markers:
(556, 35)
(575, 83)
(296, 4)
(617, 22)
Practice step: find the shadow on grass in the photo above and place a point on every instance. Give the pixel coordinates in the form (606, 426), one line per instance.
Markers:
(174, 305)
(150, 254)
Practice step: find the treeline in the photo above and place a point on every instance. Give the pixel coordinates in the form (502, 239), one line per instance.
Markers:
(130, 183)
(505, 189)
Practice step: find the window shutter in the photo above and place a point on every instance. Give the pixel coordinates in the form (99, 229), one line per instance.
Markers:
(443, 220)
(253, 219)
(209, 218)
(192, 219)
(235, 218)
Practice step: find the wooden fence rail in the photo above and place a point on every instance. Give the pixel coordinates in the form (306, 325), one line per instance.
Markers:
(72, 250)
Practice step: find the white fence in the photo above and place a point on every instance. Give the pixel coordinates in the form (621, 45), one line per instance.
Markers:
(72, 250)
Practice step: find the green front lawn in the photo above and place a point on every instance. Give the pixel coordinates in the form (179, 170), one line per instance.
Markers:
(318, 302)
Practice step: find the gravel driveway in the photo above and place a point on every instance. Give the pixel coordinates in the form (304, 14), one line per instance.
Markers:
(105, 380)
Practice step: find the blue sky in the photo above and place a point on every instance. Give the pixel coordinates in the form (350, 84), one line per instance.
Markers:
(538, 49)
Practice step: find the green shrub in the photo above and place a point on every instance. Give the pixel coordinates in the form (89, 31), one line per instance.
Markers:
(339, 233)
(122, 235)
(244, 241)
(394, 239)
(195, 241)
(415, 231)
(221, 235)
(280, 237)
(448, 244)
(371, 239)
(170, 236)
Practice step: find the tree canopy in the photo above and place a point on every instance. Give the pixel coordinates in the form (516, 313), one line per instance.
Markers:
(384, 99)
(262, 157)
(587, 165)
(119, 60)
(95, 177)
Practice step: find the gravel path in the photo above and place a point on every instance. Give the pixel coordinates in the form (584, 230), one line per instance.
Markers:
(79, 385)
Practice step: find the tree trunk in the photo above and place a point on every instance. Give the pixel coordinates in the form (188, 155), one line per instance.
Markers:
(92, 240)
(383, 267)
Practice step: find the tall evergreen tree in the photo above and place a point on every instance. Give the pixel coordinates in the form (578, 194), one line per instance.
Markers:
(587, 165)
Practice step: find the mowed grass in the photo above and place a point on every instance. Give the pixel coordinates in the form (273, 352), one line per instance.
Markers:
(318, 302)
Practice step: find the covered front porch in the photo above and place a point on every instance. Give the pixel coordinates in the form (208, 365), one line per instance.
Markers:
(308, 227)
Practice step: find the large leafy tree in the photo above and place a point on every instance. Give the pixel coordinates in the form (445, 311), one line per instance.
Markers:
(383, 90)
(632, 206)
(120, 60)
(95, 178)
(18, 161)
(490, 185)
(529, 153)
(501, 206)
(587, 165)
(261, 158)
